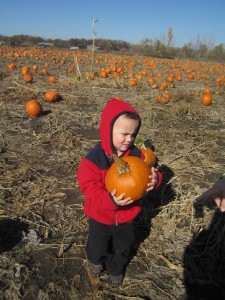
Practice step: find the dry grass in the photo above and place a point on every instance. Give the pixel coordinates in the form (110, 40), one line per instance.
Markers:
(38, 187)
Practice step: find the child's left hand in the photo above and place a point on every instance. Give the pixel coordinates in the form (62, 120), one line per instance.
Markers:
(154, 180)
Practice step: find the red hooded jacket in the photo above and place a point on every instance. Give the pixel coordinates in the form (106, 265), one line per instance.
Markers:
(99, 204)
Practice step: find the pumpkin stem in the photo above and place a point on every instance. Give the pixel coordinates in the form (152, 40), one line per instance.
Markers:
(143, 147)
(123, 166)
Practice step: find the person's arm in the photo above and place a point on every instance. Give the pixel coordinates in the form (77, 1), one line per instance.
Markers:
(217, 192)
(92, 186)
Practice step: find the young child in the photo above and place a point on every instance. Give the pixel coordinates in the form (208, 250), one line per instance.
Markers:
(111, 228)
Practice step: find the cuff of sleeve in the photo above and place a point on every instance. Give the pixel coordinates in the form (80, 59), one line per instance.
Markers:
(160, 176)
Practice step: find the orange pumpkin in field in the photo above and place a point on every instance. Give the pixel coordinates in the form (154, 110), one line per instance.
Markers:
(51, 96)
(207, 91)
(151, 80)
(33, 108)
(25, 70)
(133, 82)
(150, 157)
(206, 99)
(129, 175)
(52, 79)
(28, 78)
(190, 76)
(167, 96)
(35, 68)
(12, 67)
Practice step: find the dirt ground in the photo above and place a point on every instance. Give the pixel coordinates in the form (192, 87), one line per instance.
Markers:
(42, 227)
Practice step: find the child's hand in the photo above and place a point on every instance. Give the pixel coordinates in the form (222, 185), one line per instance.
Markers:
(154, 180)
(120, 201)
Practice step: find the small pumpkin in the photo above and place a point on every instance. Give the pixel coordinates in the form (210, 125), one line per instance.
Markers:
(150, 157)
(151, 80)
(52, 79)
(28, 78)
(190, 76)
(133, 82)
(169, 78)
(144, 72)
(35, 68)
(206, 99)
(103, 74)
(207, 91)
(51, 96)
(25, 70)
(33, 108)
(167, 96)
(12, 67)
(162, 87)
(129, 175)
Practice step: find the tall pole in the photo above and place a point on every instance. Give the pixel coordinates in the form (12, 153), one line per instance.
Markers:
(94, 36)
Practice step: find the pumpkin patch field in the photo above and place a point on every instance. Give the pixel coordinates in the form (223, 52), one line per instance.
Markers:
(50, 106)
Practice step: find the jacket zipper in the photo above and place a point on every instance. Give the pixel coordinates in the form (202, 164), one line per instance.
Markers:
(116, 223)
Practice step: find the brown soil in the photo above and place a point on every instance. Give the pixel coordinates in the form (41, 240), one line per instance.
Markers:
(42, 227)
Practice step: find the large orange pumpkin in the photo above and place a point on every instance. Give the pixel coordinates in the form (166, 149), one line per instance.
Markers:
(33, 108)
(129, 175)
(150, 157)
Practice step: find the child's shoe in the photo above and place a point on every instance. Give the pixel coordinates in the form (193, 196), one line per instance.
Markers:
(116, 280)
(96, 269)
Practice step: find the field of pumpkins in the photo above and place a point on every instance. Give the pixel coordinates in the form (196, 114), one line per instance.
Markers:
(50, 106)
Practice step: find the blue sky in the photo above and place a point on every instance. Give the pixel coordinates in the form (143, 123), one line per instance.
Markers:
(131, 21)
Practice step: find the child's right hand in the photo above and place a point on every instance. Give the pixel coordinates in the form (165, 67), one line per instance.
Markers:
(120, 201)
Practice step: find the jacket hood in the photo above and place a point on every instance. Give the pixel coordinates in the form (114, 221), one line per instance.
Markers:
(113, 109)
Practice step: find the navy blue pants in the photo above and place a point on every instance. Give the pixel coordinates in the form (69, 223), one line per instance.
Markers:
(110, 245)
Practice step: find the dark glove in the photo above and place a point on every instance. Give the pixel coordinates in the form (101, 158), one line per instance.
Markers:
(217, 190)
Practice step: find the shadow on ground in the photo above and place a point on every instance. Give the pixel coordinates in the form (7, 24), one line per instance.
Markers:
(152, 204)
(204, 261)
(11, 233)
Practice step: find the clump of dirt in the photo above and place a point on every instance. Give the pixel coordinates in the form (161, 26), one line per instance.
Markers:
(42, 227)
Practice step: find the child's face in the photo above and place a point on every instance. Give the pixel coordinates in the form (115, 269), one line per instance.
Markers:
(124, 132)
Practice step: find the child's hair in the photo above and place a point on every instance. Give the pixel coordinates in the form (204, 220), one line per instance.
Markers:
(132, 115)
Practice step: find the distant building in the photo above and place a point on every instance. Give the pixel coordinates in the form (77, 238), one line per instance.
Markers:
(74, 48)
(44, 45)
(2, 43)
(90, 48)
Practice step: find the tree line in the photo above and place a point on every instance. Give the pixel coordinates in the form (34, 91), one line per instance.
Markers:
(146, 47)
